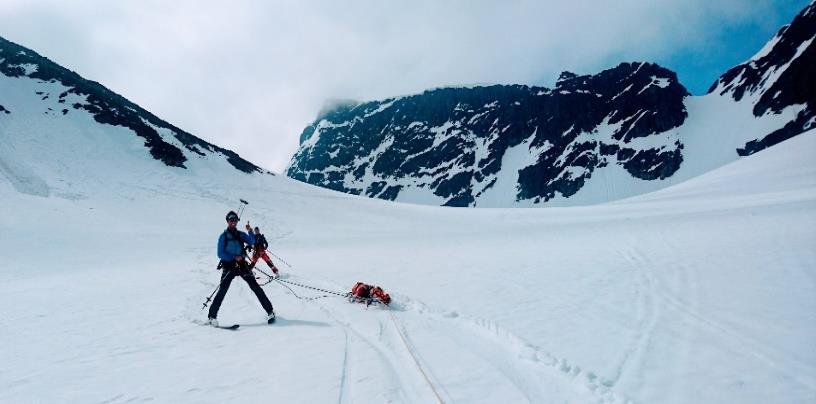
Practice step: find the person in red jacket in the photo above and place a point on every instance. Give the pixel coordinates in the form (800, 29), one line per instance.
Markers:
(259, 250)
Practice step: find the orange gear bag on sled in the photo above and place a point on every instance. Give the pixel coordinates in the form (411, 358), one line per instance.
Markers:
(365, 293)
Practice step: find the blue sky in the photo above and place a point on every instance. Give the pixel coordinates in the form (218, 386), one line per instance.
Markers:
(698, 67)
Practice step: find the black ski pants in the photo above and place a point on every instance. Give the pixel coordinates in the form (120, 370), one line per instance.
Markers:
(230, 271)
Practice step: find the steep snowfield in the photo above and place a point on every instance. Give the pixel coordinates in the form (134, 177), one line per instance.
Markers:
(717, 125)
(702, 292)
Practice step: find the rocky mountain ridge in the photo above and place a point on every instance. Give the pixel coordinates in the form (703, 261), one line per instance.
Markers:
(622, 131)
(106, 107)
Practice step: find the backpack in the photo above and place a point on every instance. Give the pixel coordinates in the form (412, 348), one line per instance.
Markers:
(361, 290)
(378, 293)
(229, 236)
(260, 242)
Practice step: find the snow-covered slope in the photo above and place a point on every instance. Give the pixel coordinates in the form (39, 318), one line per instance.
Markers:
(65, 136)
(703, 292)
(622, 132)
(777, 80)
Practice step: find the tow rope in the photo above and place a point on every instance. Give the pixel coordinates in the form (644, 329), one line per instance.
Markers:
(284, 282)
(313, 288)
(348, 295)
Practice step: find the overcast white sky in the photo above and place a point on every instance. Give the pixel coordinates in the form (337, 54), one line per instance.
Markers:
(250, 75)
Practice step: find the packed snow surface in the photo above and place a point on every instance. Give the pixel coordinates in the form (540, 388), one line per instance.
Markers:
(703, 292)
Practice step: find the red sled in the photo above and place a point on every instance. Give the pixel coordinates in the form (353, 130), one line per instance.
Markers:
(368, 294)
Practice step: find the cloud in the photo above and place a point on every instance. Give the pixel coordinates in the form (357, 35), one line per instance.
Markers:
(250, 75)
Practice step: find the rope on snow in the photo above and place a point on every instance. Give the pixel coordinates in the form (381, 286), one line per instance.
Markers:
(284, 282)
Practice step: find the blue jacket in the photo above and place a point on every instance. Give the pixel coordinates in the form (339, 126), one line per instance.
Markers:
(229, 247)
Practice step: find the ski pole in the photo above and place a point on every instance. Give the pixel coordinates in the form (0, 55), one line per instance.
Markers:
(243, 204)
(210, 298)
(223, 274)
(281, 259)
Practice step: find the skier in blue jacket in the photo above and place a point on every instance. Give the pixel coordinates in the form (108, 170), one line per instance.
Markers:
(234, 263)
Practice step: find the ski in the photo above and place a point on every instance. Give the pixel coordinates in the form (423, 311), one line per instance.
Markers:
(228, 327)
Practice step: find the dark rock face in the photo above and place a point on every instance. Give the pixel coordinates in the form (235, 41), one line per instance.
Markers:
(110, 108)
(452, 141)
(782, 77)
(459, 143)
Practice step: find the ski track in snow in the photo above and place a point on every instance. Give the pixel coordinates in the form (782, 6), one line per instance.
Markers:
(376, 363)
(516, 368)
(792, 369)
(487, 345)
(647, 314)
(653, 300)
(528, 365)
(699, 293)
(391, 386)
(344, 384)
